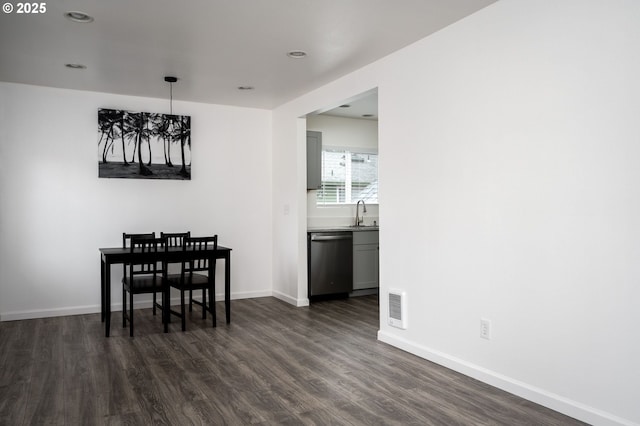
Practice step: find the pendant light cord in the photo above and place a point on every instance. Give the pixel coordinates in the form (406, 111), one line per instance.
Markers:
(169, 79)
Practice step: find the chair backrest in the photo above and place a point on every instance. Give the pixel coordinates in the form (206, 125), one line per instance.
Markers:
(175, 239)
(144, 244)
(200, 244)
(127, 237)
(126, 241)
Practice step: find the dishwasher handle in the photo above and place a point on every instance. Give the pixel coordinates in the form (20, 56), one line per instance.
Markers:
(331, 237)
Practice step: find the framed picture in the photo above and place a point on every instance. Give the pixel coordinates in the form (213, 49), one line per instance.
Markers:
(143, 145)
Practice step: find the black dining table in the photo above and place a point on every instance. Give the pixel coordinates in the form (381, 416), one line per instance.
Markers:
(119, 255)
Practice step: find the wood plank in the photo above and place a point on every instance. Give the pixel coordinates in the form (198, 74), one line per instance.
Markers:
(45, 391)
(80, 390)
(16, 352)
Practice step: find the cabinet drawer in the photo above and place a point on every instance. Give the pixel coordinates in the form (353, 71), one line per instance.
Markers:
(365, 237)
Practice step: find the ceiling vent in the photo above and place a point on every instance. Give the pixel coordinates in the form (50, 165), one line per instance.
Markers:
(398, 308)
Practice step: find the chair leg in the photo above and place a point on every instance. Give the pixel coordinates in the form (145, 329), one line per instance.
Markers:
(154, 303)
(212, 302)
(190, 300)
(166, 309)
(131, 314)
(204, 303)
(124, 308)
(184, 326)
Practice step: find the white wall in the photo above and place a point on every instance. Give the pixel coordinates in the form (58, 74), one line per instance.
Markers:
(518, 129)
(341, 132)
(55, 213)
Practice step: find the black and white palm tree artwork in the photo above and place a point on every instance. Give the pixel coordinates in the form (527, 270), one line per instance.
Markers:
(143, 145)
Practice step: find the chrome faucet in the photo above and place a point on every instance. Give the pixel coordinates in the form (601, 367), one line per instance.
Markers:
(359, 220)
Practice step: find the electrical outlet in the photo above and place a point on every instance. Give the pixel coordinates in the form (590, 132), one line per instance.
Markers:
(485, 328)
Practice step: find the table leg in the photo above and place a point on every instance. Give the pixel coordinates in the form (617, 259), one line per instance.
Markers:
(107, 298)
(211, 291)
(102, 268)
(227, 286)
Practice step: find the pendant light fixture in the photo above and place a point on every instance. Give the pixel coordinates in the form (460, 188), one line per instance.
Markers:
(170, 80)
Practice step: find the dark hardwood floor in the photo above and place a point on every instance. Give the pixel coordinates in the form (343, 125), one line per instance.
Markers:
(274, 364)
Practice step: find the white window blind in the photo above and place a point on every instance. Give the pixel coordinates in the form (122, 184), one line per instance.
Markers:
(348, 176)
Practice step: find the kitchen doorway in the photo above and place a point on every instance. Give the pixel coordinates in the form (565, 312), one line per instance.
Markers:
(347, 192)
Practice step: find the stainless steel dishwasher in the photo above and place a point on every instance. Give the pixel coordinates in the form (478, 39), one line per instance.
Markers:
(330, 260)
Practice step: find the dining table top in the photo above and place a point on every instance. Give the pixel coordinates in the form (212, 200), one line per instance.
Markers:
(116, 253)
(116, 250)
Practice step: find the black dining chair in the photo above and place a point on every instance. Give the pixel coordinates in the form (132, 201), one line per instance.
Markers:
(142, 276)
(197, 274)
(172, 240)
(126, 242)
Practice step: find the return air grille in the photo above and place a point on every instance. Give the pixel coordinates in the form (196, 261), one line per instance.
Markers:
(397, 309)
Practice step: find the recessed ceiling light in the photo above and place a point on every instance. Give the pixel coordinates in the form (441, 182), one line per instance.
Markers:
(76, 16)
(297, 54)
(246, 87)
(76, 66)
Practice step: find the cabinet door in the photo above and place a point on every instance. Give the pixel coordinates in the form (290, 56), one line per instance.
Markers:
(365, 266)
(314, 159)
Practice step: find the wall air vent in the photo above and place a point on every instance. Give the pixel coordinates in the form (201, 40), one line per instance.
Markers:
(398, 308)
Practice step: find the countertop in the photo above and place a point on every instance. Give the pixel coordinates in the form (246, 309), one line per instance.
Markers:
(343, 228)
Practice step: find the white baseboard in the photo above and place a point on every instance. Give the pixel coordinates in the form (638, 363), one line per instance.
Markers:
(291, 300)
(47, 313)
(139, 303)
(539, 396)
(246, 295)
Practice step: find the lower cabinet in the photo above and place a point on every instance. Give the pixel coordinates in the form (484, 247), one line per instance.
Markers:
(365, 260)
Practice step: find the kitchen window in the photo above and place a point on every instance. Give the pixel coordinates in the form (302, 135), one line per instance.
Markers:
(348, 175)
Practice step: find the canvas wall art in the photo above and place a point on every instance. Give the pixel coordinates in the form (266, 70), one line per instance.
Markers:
(143, 145)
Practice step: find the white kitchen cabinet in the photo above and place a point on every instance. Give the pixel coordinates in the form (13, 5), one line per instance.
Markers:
(365, 260)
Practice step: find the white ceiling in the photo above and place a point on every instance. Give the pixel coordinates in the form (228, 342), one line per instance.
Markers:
(363, 106)
(213, 46)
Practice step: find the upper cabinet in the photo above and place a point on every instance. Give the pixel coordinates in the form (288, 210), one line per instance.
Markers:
(314, 159)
